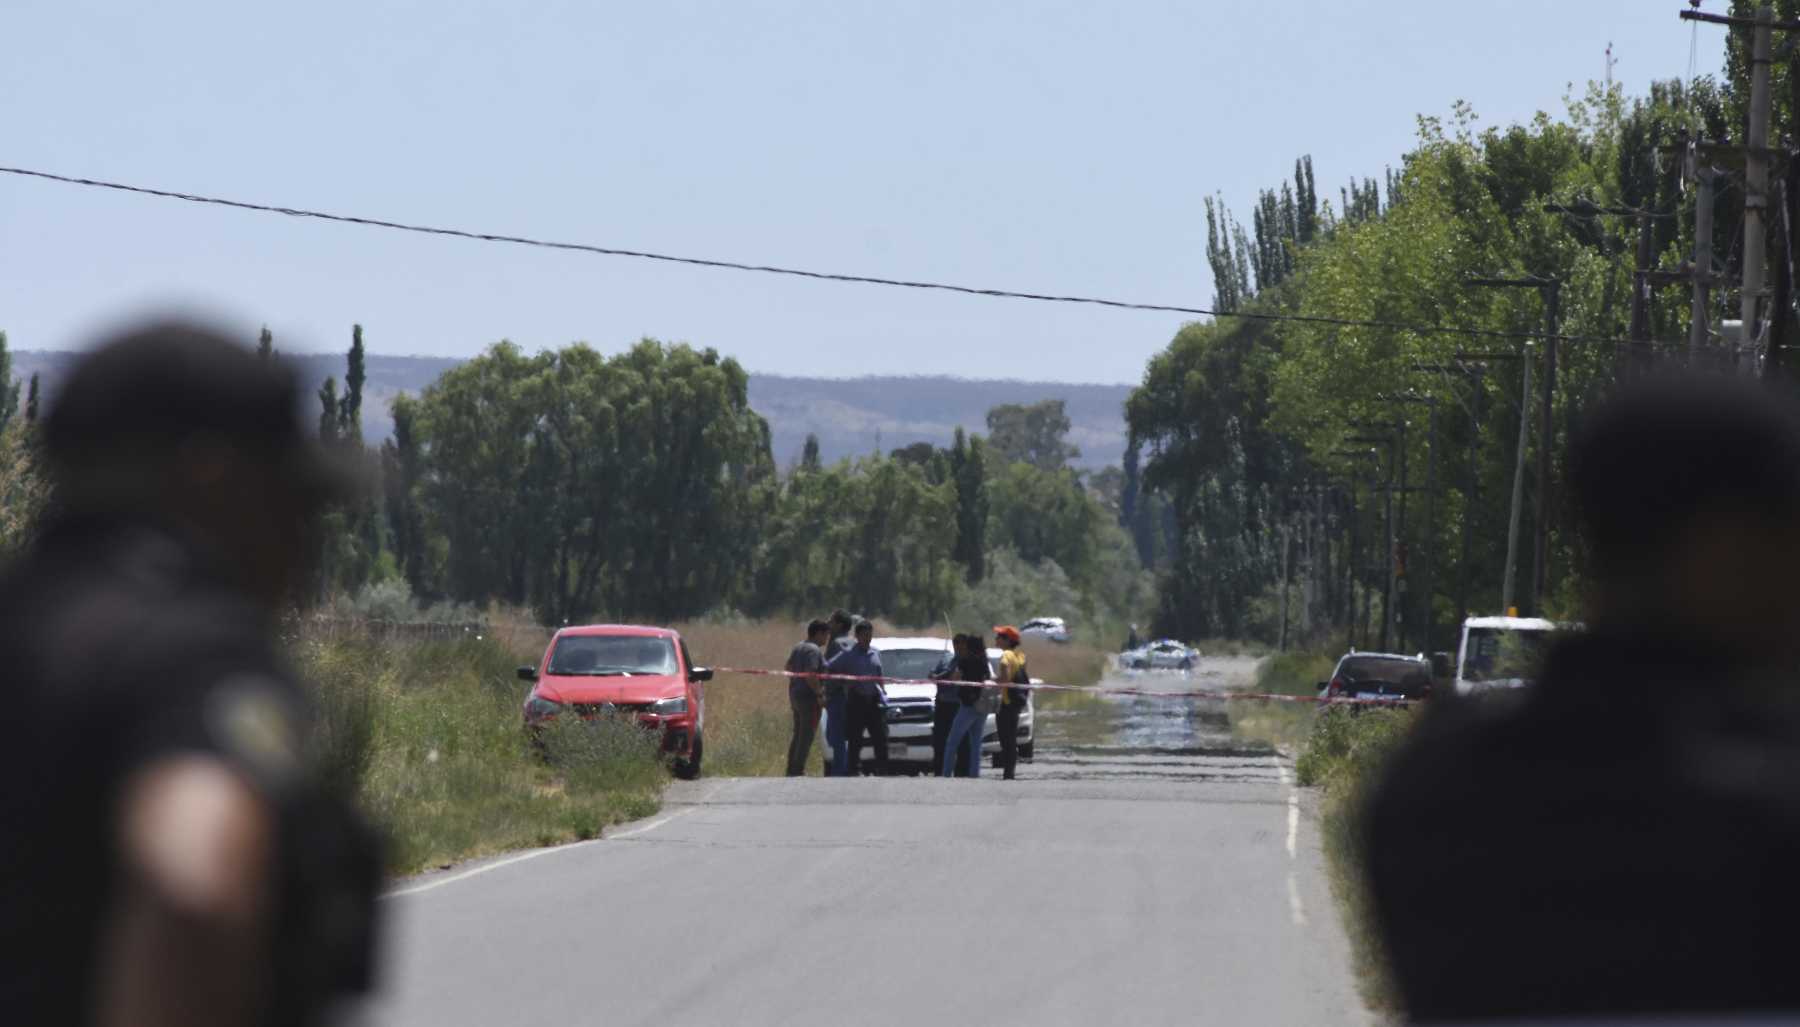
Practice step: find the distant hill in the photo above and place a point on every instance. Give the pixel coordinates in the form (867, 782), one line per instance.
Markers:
(851, 416)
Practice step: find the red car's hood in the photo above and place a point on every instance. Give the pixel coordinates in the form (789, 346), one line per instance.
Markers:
(643, 688)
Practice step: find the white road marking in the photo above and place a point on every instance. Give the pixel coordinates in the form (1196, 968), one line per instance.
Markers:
(536, 853)
(1295, 909)
(1293, 805)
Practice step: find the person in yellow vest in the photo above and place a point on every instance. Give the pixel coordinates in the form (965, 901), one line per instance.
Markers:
(1013, 699)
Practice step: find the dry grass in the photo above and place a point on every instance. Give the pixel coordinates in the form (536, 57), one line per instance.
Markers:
(747, 720)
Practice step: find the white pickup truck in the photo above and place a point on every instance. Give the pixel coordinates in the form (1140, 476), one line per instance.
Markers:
(1502, 652)
(909, 707)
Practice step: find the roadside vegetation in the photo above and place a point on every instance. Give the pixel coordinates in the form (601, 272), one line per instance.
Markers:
(1339, 751)
(427, 736)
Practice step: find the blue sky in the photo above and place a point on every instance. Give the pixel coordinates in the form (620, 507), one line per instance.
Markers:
(1041, 146)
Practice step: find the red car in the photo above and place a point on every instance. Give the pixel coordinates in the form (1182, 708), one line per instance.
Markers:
(627, 670)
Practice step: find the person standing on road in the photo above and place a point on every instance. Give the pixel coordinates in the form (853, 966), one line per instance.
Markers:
(1656, 752)
(867, 706)
(805, 694)
(1013, 698)
(962, 749)
(837, 695)
(943, 709)
(171, 853)
(949, 701)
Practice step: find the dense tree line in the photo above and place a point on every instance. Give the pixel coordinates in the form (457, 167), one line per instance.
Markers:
(1255, 432)
(641, 485)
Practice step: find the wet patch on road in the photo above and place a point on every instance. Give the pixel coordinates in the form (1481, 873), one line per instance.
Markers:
(1099, 736)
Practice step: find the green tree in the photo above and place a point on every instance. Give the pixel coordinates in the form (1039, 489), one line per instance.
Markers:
(9, 389)
(329, 416)
(350, 406)
(265, 344)
(1032, 433)
(968, 470)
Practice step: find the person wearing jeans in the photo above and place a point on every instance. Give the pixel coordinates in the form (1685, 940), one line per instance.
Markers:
(943, 710)
(971, 719)
(866, 706)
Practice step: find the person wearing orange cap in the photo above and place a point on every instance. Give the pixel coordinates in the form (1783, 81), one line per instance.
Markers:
(1013, 698)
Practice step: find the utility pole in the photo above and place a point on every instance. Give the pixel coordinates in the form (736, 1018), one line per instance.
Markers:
(1387, 489)
(1781, 307)
(1699, 321)
(1355, 600)
(1474, 367)
(1640, 291)
(1640, 287)
(1756, 173)
(1286, 545)
(1518, 489)
(1540, 570)
(1430, 556)
(1551, 289)
(1395, 443)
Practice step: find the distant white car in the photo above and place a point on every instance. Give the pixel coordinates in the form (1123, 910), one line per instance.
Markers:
(1051, 628)
(1162, 654)
(910, 707)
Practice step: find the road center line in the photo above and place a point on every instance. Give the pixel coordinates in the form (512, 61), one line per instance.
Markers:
(536, 853)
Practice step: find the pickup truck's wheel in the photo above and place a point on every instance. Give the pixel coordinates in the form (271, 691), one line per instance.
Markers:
(689, 768)
(1025, 751)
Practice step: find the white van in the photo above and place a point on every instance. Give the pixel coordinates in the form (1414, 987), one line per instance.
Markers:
(1502, 652)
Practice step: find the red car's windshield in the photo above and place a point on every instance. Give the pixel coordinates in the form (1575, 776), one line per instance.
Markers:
(612, 654)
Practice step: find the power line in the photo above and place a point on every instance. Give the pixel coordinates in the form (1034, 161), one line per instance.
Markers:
(829, 276)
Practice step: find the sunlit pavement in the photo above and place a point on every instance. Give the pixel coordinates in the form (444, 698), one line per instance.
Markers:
(1145, 868)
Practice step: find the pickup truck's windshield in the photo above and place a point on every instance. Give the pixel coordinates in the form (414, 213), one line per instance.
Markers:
(601, 655)
(911, 664)
(1505, 654)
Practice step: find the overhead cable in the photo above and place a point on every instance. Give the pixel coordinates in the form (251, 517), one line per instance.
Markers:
(830, 276)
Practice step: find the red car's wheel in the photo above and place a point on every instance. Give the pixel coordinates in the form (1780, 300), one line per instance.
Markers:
(689, 768)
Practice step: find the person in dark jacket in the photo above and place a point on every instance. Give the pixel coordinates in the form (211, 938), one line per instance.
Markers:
(949, 701)
(962, 753)
(1014, 698)
(1620, 838)
(170, 849)
(943, 710)
(837, 696)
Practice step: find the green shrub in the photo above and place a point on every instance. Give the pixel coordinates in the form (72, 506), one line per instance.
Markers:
(1345, 754)
(429, 737)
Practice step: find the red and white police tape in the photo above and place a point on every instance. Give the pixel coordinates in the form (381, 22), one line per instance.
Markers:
(1187, 693)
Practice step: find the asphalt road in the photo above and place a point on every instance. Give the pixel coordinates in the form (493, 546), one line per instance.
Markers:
(1144, 869)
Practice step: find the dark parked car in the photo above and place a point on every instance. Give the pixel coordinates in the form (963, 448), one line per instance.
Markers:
(1379, 676)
